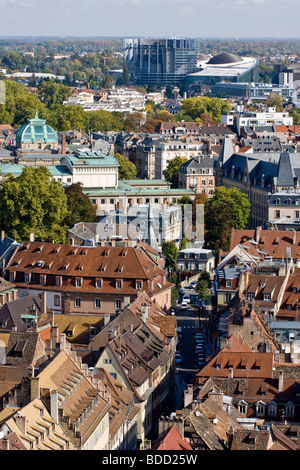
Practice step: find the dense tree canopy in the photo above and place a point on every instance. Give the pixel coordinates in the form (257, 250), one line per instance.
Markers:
(205, 107)
(171, 172)
(80, 207)
(227, 209)
(127, 170)
(33, 203)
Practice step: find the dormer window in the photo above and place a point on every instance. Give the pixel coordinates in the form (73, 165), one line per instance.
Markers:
(118, 284)
(42, 280)
(78, 282)
(267, 297)
(98, 283)
(58, 281)
(27, 277)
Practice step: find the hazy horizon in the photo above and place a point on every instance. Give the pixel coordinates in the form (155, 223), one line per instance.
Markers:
(206, 19)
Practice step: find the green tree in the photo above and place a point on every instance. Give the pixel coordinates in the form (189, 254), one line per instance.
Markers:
(51, 92)
(33, 203)
(80, 207)
(127, 169)
(275, 101)
(171, 172)
(203, 290)
(228, 208)
(204, 106)
(170, 251)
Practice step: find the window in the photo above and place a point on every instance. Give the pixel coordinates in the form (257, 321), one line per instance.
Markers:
(97, 303)
(69, 180)
(260, 409)
(98, 283)
(118, 304)
(27, 278)
(78, 282)
(77, 301)
(242, 408)
(272, 409)
(138, 285)
(289, 410)
(11, 276)
(119, 284)
(42, 280)
(228, 283)
(58, 281)
(277, 214)
(227, 297)
(57, 300)
(112, 201)
(267, 296)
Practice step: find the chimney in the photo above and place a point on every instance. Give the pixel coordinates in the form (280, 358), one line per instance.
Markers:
(54, 338)
(44, 302)
(31, 237)
(188, 396)
(294, 237)
(21, 422)
(2, 235)
(257, 234)
(54, 405)
(34, 388)
(106, 318)
(5, 443)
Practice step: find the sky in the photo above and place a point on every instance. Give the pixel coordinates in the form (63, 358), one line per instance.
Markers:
(152, 18)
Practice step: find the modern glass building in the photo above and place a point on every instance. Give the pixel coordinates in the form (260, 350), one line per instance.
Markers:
(160, 61)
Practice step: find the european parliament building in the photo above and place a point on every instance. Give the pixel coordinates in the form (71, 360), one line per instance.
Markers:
(160, 61)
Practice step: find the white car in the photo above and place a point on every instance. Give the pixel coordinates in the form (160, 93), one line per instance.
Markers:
(186, 298)
(193, 285)
(184, 306)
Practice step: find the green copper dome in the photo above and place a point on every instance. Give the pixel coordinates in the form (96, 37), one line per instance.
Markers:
(36, 130)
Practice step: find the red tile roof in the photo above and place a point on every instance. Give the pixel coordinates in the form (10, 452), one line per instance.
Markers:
(171, 441)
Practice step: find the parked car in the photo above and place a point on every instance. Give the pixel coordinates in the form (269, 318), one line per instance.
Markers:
(186, 298)
(193, 285)
(184, 306)
(178, 358)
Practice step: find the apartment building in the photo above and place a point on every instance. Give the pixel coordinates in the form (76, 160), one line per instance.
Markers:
(86, 280)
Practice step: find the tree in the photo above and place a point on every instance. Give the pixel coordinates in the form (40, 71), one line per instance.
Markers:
(170, 251)
(80, 207)
(275, 101)
(171, 172)
(208, 108)
(227, 209)
(127, 169)
(205, 276)
(33, 203)
(203, 290)
(51, 92)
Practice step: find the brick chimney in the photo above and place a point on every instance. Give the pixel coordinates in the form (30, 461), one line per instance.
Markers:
(5, 443)
(34, 388)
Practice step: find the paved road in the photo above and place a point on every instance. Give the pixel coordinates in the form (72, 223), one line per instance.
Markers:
(188, 324)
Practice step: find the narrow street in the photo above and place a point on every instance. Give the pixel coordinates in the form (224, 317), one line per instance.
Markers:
(187, 324)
